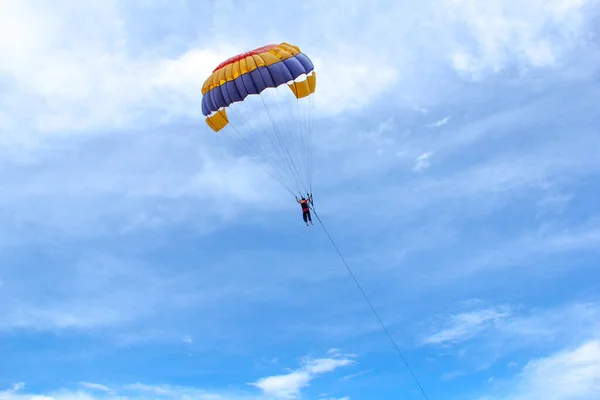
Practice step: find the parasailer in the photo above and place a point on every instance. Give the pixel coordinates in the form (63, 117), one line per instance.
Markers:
(305, 203)
(262, 101)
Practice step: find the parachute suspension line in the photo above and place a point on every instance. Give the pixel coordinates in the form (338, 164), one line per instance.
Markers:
(297, 138)
(371, 305)
(291, 137)
(284, 179)
(250, 147)
(256, 144)
(271, 141)
(304, 144)
(271, 171)
(290, 162)
(306, 109)
(311, 143)
(293, 140)
(288, 159)
(272, 160)
(283, 138)
(297, 144)
(289, 140)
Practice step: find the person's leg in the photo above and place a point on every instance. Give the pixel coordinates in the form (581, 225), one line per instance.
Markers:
(304, 216)
(309, 218)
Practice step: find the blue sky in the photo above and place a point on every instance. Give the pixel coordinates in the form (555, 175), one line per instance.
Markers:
(456, 168)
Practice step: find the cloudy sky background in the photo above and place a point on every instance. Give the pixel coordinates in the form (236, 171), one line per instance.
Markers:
(456, 167)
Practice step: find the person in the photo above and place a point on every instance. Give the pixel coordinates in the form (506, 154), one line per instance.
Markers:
(304, 203)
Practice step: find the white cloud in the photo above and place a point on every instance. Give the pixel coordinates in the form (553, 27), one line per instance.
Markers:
(18, 387)
(422, 162)
(571, 374)
(381, 138)
(187, 339)
(82, 76)
(284, 386)
(289, 386)
(467, 325)
(509, 32)
(346, 83)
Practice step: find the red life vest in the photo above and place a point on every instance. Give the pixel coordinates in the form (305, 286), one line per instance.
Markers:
(304, 204)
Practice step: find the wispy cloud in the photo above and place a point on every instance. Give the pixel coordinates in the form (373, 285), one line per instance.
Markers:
(467, 325)
(356, 375)
(486, 335)
(381, 137)
(423, 162)
(440, 122)
(449, 376)
(95, 386)
(531, 246)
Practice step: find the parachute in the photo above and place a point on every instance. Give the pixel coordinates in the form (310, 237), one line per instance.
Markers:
(261, 100)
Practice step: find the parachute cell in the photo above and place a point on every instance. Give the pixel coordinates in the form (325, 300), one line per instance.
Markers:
(245, 99)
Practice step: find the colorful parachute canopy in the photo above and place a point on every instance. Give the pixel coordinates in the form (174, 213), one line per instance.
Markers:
(242, 98)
